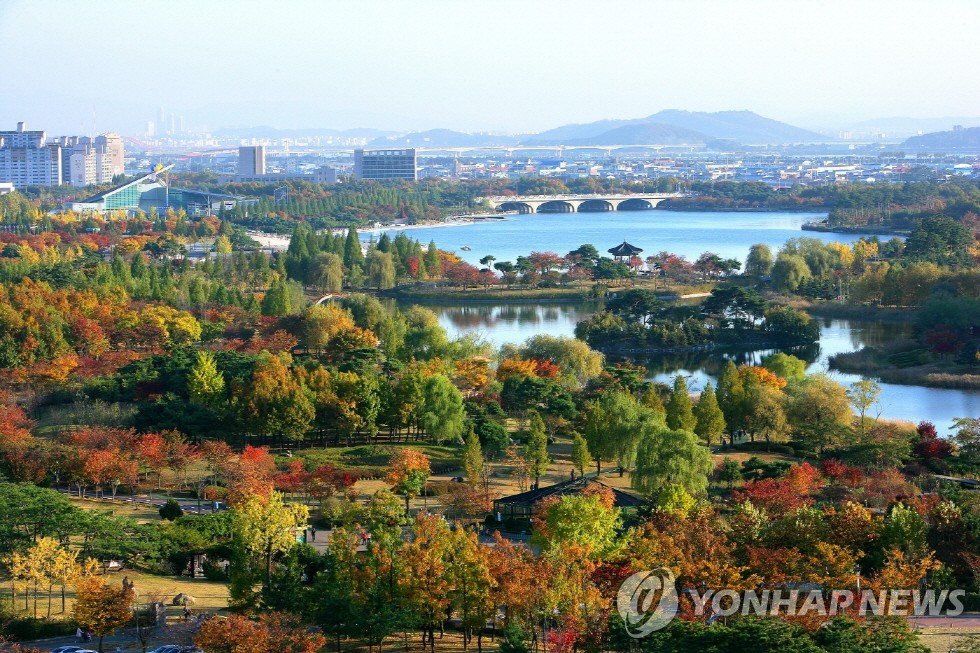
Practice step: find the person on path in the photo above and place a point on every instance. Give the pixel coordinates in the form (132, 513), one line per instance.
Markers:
(78, 634)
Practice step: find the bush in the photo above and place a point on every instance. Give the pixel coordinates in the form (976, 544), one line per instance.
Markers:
(171, 510)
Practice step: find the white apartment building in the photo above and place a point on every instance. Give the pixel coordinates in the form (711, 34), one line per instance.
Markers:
(27, 159)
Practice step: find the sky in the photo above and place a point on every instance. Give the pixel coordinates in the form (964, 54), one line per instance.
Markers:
(474, 65)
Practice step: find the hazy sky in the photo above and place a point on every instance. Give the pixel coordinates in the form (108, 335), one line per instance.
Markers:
(474, 65)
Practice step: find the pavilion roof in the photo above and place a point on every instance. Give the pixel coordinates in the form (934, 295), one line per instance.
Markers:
(570, 488)
(625, 249)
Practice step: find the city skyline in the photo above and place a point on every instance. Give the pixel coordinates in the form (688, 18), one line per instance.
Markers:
(501, 67)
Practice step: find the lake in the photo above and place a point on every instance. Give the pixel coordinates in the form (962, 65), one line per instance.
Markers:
(688, 233)
(514, 323)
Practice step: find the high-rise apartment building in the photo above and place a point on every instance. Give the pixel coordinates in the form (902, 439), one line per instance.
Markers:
(27, 159)
(93, 160)
(251, 161)
(385, 164)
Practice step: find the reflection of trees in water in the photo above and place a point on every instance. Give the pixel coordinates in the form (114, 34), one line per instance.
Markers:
(469, 317)
(711, 362)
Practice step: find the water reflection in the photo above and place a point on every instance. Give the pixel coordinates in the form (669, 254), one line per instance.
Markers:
(515, 323)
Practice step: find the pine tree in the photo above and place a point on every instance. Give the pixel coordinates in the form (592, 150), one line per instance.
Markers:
(710, 418)
(433, 264)
(680, 413)
(353, 257)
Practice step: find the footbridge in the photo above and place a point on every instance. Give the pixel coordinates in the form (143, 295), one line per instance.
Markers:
(580, 203)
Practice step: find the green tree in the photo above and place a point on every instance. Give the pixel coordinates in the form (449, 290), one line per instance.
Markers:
(433, 262)
(710, 420)
(788, 271)
(731, 395)
(759, 261)
(353, 256)
(583, 520)
(680, 413)
(536, 448)
(276, 300)
(581, 457)
(785, 366)
(668, 457)
(327, 273)
(863, 395)
(443, 416)
(819, 412)
(380, 270)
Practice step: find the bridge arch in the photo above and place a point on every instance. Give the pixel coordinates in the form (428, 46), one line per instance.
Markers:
(635, 204)
(591, 206)
(556, 206)
(520, 207)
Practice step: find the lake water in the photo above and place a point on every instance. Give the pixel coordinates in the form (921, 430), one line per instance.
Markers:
(687, 233)
(514, 323)
(728, 234)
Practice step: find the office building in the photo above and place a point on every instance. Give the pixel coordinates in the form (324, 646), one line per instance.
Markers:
(385, 164)
(28, 159)
(251, 161)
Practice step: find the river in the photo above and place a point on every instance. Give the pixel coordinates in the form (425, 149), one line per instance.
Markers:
(514, 323)
(688, 233)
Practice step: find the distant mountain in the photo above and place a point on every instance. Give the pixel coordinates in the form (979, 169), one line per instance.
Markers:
(746, 127)
(443, 138)
(957, 139)
(646, 133)
(742, 126)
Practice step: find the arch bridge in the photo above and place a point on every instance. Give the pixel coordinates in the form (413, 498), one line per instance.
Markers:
(579, 203)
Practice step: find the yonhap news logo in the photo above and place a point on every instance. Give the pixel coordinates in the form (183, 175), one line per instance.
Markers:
(647, 601)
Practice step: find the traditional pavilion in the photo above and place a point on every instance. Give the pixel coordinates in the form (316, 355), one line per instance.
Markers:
(625, 252)
(521, 506)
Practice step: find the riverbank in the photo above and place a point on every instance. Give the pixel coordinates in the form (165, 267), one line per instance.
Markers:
(824, 227)
(905, 363)
(837, 310)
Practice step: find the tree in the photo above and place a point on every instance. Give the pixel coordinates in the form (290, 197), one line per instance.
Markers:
(710, 420)
(729, 471)
(939, 240)
(264, 527)
(819, 411)
(380, 270)
(668, 457)
(274, 403)
(222, 245)
(785, 366)
(443, 416)
(581, 457)
(536, 448)
(327, 272)
(408, 471)
(863, 395)
(788, 271)
(171, 510)
(731, 395)
(680, 414)
(473, 461)
(205, 384)
(589, 521)
(353, 256)
(759, 261)
(102, 608)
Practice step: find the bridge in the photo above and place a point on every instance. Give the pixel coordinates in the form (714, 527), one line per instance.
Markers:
(580, 203)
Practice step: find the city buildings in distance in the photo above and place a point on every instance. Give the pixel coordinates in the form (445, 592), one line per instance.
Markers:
(30, 158)
(386, 164)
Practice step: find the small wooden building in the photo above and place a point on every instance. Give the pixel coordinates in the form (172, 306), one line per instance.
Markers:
(521, 506)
